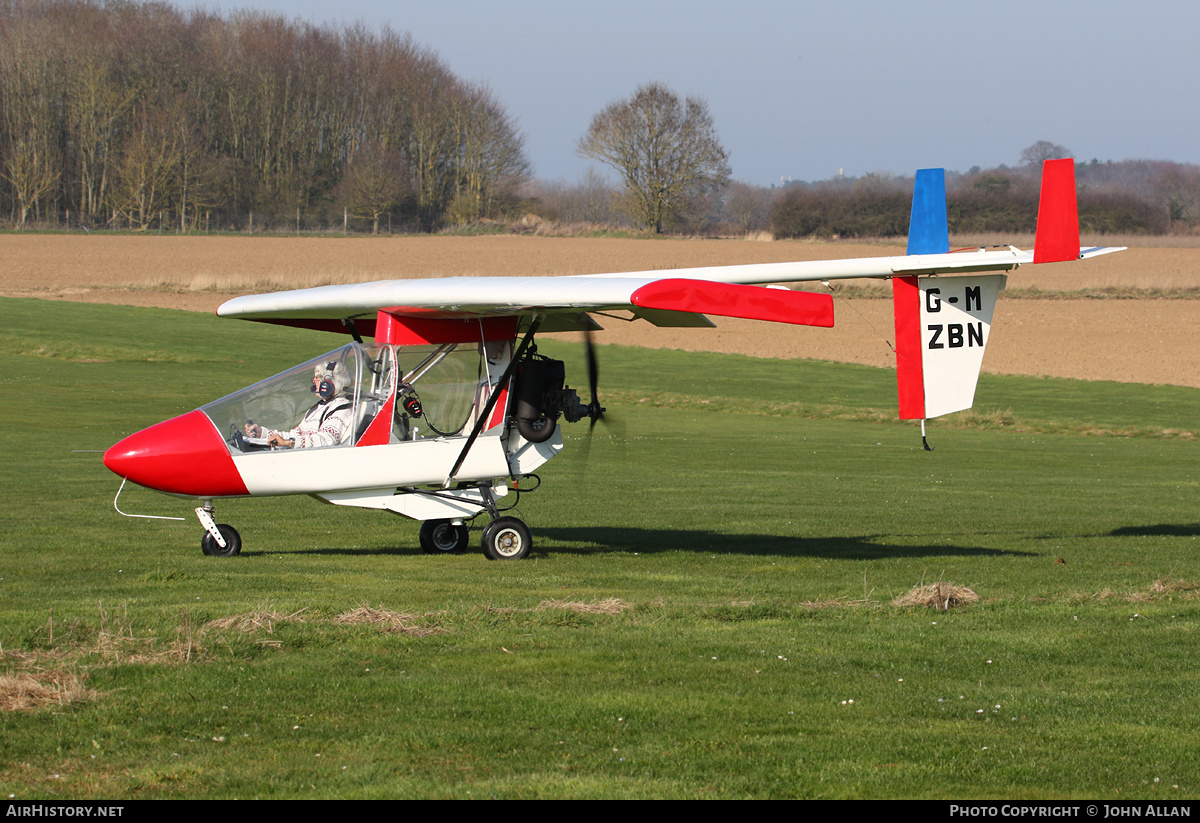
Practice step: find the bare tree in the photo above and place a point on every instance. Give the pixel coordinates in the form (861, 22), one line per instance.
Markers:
(375, 181)
(1042, 150)
(97, 105)
(116, 107)
(430, 139)
(490, 159)
(29, 117)
(596, 196)
(146, 166)
(665, 150)
(1178, 189)
(746, 206)
(589, 199)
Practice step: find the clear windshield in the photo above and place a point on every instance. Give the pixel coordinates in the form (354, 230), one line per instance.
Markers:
(446, 379)
(291, 403)
(357, 382)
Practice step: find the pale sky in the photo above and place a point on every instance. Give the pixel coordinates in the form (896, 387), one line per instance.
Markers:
(804, 89)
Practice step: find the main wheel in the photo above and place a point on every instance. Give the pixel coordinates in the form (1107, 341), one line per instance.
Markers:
(443, 537)
(506, 538)
(233, 542)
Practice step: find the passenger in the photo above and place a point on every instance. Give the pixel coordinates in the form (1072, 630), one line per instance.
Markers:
(327, 423)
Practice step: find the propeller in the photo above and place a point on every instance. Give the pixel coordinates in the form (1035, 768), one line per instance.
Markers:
(595, 410)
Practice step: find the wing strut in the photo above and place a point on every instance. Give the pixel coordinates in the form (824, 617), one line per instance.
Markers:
(486, 414)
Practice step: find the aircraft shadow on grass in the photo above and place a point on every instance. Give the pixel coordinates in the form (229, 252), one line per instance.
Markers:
(1158, 530)
(584, 540)
(1148, 530)
(591, 540)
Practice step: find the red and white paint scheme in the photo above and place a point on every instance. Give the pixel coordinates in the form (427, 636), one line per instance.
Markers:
(942, 327)
(450, 409)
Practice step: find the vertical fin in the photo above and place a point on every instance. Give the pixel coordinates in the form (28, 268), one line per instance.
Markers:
(1058, 214)
(928, 231)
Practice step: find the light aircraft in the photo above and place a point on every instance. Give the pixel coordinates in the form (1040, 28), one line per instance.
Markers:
(450, 408)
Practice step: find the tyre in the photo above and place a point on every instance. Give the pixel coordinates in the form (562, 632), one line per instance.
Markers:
(233, 542)
(443, 537)
(506, 538)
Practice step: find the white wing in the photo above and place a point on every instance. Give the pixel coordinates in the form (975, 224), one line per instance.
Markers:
(936, 375)
(459, 297)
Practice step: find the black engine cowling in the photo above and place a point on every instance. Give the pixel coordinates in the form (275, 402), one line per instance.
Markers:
(539, 385)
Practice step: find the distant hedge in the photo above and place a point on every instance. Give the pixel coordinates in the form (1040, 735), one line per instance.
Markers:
(826, 211)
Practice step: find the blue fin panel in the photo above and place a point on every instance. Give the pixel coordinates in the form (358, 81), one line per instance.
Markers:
(928, 232)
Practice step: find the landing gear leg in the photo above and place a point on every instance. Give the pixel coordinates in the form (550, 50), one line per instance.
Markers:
(220, 539)
(505, 538)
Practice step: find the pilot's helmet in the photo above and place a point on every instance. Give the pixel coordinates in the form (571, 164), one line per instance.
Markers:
(332, 378)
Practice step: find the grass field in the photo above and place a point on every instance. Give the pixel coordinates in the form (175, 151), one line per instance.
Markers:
(707, 611)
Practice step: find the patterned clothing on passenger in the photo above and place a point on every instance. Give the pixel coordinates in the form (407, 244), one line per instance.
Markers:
(328, 423)
(325, 424)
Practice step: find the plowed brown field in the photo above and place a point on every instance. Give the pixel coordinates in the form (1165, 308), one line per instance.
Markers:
(1130, 340)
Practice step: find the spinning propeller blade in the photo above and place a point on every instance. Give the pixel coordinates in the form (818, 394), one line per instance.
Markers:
(594, 408)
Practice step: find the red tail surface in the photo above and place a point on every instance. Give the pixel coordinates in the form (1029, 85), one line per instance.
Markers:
(1058, 214)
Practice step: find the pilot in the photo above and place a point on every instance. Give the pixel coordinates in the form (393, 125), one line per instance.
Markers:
(328, 423)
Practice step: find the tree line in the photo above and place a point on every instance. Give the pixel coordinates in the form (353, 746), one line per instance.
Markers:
(115, 113)
(1127, 197)
(128, 114)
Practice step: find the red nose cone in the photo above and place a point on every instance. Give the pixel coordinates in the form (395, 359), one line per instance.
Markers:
(183, 455)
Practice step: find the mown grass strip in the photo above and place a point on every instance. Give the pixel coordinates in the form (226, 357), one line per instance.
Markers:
(707, 611)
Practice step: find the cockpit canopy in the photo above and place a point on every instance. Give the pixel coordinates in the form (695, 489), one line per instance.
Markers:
(447, 381)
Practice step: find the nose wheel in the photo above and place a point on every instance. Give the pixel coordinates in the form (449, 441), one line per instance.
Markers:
(220, 539)
(233, 542)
